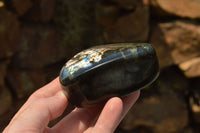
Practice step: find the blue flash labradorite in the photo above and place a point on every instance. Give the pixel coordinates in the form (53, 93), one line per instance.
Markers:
(99, 73)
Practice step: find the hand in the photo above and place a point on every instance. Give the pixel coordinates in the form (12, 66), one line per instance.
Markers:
(49, 102)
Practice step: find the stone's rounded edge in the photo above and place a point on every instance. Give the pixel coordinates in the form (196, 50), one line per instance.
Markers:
(62, 77)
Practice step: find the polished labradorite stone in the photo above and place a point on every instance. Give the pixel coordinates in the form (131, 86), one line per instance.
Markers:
(99, 73)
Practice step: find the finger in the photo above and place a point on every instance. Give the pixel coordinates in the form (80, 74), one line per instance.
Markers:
(78, 120)
(81, 118)
(49, 90)
(113, 112)
(109, 117)
(36, 116)
(128, 101)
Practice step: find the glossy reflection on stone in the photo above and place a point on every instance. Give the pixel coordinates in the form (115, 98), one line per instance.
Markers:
(99, 73)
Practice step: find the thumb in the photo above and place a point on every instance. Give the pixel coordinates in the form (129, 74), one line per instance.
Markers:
(37, 115)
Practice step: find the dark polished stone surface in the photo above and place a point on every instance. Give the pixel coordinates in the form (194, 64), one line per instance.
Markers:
(99, 73)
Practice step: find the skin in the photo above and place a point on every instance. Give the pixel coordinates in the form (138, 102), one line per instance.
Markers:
(50, 101)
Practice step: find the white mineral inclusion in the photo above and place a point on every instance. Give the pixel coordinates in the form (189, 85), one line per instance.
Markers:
(134, 52)
(83, 59)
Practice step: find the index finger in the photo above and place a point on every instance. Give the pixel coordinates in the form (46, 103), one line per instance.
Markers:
(49, 90)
